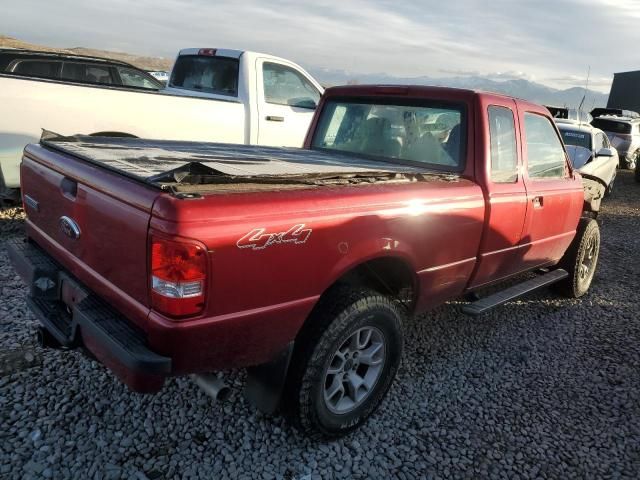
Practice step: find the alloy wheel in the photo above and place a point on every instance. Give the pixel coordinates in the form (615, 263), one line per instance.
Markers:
(354, 370)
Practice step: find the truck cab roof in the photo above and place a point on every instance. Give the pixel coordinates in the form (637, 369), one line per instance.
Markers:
(227, 52)
(419, 91)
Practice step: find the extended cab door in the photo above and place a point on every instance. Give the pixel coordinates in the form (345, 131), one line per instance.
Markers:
(287, 99)
(554, 194)
(505, 192)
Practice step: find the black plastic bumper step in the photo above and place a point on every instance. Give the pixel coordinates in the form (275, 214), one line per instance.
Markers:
(487, 303)
(125, 341)
(92, 315)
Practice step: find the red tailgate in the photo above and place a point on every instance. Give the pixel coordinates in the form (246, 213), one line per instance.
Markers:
(96, 228)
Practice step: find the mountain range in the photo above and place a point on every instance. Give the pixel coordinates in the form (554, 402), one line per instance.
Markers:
(521, 88)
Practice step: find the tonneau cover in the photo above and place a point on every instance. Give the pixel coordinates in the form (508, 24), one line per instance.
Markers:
(151, 160)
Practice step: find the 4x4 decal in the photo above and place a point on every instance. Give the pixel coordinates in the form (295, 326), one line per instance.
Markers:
(257, 239)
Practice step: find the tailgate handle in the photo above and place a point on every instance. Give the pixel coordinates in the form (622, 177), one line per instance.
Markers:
(69, 187)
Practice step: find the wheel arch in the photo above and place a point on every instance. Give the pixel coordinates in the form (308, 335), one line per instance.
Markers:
(389, 274)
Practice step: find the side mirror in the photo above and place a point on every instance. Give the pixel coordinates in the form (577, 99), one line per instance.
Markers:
(604, 152)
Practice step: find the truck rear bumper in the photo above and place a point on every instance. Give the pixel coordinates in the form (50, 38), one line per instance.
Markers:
(76, 317)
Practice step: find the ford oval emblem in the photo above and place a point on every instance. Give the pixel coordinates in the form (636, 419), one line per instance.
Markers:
(69, 227)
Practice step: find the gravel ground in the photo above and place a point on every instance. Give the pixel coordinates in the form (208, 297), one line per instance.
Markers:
(541, 388)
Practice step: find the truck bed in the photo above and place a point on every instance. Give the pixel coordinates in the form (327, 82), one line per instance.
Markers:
(182, 166)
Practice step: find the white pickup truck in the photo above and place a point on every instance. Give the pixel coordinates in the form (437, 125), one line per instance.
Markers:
(214, 95)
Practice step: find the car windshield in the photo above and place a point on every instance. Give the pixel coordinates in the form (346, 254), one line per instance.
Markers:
(206, 74)
(433, 135)
(612, 126)
(579, 139)
(578, 155)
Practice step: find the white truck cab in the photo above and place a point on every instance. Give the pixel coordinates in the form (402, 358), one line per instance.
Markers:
(279, 95)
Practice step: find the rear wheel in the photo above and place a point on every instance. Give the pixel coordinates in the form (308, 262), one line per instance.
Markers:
(581, 259)
(637, 172)
(344, 362)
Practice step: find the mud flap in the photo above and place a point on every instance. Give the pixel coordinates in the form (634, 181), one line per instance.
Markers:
(265, 382)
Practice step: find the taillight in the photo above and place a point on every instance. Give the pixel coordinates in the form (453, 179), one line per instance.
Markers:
(210, 52)
(178, 277)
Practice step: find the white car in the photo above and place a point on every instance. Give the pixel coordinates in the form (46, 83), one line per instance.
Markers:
(213, 95)
(590, 151)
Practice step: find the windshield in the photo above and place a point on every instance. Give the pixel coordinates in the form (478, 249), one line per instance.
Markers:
(206, 74)
(429, 134)
(579, 139)
(579, 156)
(612, 126)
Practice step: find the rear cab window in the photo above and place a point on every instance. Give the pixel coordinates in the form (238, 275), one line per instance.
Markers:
(208, 74)
(545, 153)
(425, 133)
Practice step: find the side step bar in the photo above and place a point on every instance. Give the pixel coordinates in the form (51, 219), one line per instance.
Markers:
(487, 303)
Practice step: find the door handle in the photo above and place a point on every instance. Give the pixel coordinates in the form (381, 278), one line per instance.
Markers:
(537, 202)
(274, 118)
(69, 187)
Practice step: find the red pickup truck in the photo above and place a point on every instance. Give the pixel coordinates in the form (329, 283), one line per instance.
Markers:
(167, 258)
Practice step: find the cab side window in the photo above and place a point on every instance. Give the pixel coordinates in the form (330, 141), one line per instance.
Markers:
(504, 156)
(285, 86)
(545, 154)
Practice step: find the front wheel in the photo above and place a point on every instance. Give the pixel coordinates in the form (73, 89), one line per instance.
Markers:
(634, 160)
(344, 362)
(580, 259)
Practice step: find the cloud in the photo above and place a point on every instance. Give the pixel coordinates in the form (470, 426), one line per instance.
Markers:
(548, 40)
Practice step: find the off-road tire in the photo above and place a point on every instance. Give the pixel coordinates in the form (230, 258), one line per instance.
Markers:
(637, 173)
(342, 311)
(573, 261)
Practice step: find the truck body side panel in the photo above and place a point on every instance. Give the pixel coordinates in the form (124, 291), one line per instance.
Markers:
(260, 293)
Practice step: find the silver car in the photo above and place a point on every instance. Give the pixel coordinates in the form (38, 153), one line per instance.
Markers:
(590, 151)
(624, 133)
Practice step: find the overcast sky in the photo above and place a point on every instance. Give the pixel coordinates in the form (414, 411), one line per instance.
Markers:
(548, 41)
